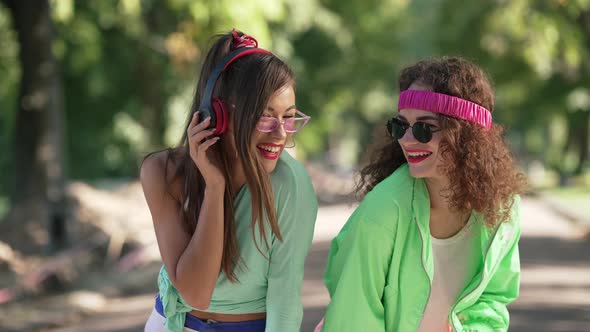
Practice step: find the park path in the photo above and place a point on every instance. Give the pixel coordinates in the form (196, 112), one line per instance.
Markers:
(555, 286)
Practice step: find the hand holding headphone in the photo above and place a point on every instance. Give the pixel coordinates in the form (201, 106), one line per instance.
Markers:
(215, 107)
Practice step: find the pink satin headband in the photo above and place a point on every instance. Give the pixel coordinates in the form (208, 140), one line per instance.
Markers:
(445, 104)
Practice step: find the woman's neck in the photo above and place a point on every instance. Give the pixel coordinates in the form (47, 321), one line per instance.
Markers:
(444, 221)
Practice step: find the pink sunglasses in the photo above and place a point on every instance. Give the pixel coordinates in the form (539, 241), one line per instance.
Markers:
(268, 124)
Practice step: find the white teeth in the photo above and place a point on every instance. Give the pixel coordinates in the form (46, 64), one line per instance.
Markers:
(418, 154)
(272, 149)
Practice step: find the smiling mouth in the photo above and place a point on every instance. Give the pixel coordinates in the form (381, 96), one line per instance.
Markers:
(269, 151)
(417, 156)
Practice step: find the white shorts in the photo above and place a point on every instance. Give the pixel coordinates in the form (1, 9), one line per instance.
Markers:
(155, 323)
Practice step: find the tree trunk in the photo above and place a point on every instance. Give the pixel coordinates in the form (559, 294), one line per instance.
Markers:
(150, 70)
(151, 96)
(584, 21)
(582, 137)
(38, 195)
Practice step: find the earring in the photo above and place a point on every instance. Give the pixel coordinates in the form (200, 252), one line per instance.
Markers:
(293, 142)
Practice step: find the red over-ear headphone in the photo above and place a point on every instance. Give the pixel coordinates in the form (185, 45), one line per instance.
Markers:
(214, 107)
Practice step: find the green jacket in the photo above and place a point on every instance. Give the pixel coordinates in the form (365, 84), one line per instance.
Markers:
(380, 266)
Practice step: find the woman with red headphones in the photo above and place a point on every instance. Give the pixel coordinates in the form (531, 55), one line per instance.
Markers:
(233, 214)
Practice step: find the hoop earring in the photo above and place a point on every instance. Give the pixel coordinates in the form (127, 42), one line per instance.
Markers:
(293, 142)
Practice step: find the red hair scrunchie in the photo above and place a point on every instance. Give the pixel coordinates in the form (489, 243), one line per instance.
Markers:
(243, 40)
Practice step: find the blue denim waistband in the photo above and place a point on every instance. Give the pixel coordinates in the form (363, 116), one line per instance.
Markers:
(195, 323)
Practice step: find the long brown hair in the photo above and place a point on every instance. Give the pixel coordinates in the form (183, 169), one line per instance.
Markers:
(247, 85)
(478, 163)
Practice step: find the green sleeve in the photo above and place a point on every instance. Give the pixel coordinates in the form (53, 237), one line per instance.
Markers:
(355, 276)
(489, 313)
(296, 212)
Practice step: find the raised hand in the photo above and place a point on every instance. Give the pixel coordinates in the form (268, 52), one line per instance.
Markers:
(199, 141)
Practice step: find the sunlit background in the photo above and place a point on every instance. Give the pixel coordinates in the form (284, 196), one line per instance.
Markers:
(87, 88)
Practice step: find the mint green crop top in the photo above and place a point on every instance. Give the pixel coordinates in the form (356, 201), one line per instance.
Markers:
(267, 286)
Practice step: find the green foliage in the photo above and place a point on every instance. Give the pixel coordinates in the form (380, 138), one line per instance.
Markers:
(129, 68)
(9, 75)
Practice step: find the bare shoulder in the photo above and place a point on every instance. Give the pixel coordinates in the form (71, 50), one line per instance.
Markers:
(158, 176)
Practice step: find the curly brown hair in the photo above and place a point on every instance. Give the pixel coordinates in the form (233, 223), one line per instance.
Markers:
(478, 163)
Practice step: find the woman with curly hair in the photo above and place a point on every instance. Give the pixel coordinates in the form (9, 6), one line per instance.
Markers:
(434, 244)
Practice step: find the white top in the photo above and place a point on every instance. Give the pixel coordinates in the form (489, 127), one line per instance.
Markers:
(455, 264)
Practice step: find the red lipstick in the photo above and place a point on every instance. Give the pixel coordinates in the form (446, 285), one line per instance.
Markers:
(417, 156)
(270, 155)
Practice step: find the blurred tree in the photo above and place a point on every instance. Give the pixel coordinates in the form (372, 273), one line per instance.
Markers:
(538, 53)
(10, 73)
(129, 68)
(347, 57)
(38, 193)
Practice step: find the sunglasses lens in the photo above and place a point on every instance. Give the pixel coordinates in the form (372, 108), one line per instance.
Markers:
(398, 128)
(293, 125)
(422, 132)
(267, 124)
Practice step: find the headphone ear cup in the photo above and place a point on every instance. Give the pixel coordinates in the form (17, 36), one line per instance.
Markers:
(221, 115)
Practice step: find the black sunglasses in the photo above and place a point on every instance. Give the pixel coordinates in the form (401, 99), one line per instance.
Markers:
(422, 131)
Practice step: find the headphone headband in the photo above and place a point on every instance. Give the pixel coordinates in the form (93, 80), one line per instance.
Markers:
(220, 67)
